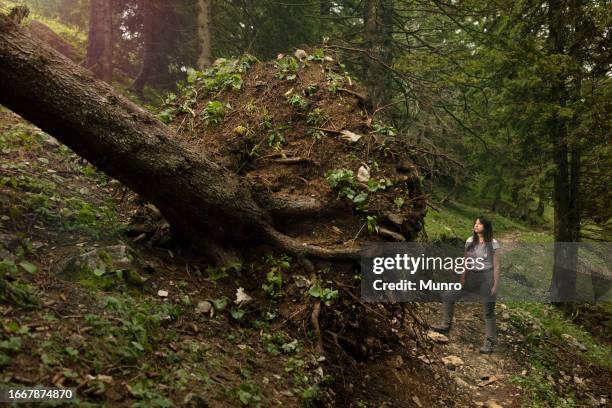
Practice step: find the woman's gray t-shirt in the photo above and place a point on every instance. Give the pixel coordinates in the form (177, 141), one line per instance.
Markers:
(480, 251)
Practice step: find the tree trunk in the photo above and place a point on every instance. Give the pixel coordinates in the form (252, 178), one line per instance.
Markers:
(205, 58)
(159, 36)
(148, 46)
(378, 25)
(563, 284)
(203, 201)
(100, 41)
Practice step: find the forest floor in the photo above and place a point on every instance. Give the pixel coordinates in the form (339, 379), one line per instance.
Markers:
(87, 303)
(529, 366)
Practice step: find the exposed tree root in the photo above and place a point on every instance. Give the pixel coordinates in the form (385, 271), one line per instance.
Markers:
(283, 206)
(316, 328)
(299, 249)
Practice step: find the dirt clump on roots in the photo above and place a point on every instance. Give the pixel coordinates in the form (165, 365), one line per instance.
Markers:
(299, 131)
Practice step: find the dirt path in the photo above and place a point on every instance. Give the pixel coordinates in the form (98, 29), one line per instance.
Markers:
(485, 377)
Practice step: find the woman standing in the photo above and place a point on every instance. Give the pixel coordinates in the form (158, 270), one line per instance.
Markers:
(483, 282)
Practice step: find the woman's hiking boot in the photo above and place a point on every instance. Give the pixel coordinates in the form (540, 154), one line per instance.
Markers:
(487, 347)
(441, 328)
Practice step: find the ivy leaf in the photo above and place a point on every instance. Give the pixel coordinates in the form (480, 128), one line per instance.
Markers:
(29, 267)
(237, 313)
(220, 303)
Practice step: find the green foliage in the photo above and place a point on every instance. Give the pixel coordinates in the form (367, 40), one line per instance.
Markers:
(316, 117)
(318, 55)
(286, 68)
(140, 322)
(297, 101)
(334, 82)
(327, 295)
(383, 129)
(279, 343)
(13, 288)
(380, 184)
(148, 395)
(249, 394)
(339, 177)
(344, 181)
(220, 303)
(372, 222)
(274, 278)
(266, 120)
(455, 220)
(225, 74)
(214, 112)
(275, 139)
(166, 116)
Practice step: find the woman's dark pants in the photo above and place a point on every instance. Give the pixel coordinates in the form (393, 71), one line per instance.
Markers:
(477, 287)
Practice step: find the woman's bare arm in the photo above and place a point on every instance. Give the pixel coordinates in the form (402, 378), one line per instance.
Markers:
(496, 270)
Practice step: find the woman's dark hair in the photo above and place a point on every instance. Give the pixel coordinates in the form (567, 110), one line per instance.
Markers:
(487, 235)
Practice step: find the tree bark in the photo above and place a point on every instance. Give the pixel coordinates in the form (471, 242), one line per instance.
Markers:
(378, 26)
(205, 58)
(100, 40)
(563, 284)
(159, 35)
(203, 201)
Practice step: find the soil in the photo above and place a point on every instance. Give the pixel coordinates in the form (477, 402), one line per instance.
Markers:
(286, 149)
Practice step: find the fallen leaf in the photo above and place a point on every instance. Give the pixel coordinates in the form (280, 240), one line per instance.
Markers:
(242, 297)
(350, 136)
(363, 174)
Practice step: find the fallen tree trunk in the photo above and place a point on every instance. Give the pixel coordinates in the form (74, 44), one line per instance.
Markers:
(203, 201)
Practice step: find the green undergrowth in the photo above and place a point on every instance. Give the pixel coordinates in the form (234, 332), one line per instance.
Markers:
(45, 184)
(551, 357)
(71, 34)
(456, 220)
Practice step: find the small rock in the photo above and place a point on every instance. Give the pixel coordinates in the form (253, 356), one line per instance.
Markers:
(505, 315)
(300, 54)
(424, 359)
(396, 218)
(492, 404)
(437, 337)
(452, 362)
(162, 293)
(50, 141)
(488, 380)
(571, 340)
(461, 382)
(203, 307)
